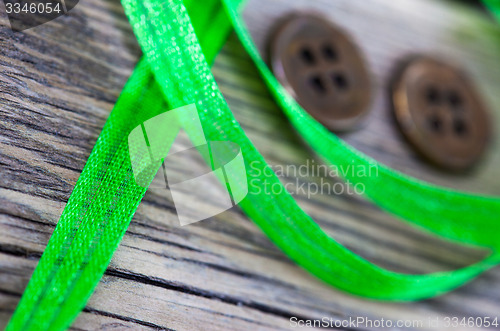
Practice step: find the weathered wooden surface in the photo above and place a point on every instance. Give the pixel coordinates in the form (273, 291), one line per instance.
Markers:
(58, 83)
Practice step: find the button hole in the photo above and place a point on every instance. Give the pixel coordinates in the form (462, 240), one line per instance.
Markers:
(435, 124)
(307, 56)
(317, 84)
(432, 95)
(329, 52)
(455, 100)
(460, 127)
(340, 81)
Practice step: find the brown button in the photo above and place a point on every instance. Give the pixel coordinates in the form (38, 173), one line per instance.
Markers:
(322, 69)
(440, 113)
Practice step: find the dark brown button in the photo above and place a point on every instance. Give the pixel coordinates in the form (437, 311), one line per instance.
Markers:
(323, 70)
(440, 113)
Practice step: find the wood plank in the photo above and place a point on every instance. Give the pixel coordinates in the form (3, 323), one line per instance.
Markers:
(58, 83)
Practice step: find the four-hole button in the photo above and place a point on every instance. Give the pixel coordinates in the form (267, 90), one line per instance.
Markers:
(323, 69)
(440, 113)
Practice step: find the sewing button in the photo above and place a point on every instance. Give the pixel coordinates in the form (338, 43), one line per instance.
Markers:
(322, 69)
(440, 113)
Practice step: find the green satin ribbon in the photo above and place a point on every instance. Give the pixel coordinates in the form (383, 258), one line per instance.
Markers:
(104, 199)
(494, 7)
(175, 73)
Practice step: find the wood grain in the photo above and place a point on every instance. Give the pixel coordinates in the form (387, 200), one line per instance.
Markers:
(58, 83)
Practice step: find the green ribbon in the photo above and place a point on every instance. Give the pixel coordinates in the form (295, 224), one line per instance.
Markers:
(103, 201)
(174, 73)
